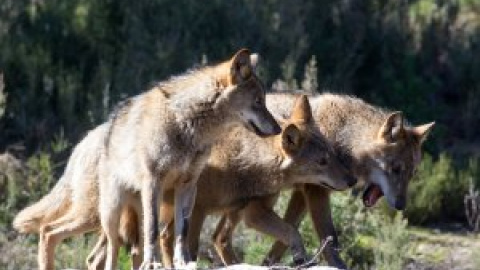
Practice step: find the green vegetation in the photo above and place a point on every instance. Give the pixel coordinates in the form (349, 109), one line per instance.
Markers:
(438, 190)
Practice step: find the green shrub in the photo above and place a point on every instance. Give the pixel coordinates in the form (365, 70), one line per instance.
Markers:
(370, 237)
(354, 230)
(391, 245)
(438, 189)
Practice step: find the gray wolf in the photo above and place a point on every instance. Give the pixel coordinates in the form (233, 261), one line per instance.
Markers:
(379, 147)
(162, 139)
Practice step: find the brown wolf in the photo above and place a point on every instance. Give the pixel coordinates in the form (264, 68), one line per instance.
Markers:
(381, 149)
(161, 139)
(243, 168)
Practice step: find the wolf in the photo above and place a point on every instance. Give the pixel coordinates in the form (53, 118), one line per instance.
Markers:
(381, 149)
(161, 139)
(242, 168)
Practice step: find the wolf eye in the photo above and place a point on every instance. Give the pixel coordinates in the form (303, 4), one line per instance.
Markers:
(323, 161)
(258, 101)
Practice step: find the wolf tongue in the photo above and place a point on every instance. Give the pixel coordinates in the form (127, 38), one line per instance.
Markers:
(374, 195)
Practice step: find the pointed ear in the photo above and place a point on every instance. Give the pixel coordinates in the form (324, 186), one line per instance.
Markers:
(421, 132)
(393, 128)
(291, 139)
(302, 110)
(240, 67)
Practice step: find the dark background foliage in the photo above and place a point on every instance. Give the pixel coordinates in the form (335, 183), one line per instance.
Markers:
(66, 63)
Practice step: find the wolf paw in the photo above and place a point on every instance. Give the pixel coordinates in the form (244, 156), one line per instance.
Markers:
(185, 265)
(150, 266)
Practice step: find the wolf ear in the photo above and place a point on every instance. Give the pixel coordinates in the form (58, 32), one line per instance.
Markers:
(302, 110)
(291, 139)
(393, 128)
(421, 132)
(241, 66)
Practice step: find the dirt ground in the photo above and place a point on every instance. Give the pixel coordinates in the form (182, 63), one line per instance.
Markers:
(450, 247)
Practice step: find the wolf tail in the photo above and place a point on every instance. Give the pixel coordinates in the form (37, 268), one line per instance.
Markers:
(30, 219)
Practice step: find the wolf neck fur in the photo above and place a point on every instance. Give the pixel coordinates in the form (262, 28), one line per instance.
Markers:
(262, 161)
(196, 107)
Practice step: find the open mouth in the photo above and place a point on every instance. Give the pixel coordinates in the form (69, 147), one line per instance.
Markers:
(372, 193)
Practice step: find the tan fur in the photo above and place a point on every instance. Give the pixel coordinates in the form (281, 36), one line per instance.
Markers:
(61, 213)
(243, 168)
(162, 139)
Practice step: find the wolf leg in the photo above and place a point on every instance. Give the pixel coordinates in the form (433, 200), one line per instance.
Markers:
(111, 203)
(72, 223)
(151, 194)
(185, 193)
(294, 215)
(96, 258)
(184, 201)
(262, 218)
(168, 231)
(222, 237)
(196, 223)
(318, 201)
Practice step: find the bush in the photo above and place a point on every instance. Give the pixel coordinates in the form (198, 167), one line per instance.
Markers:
(26, 182)
(391, 241)
(438, 189)
(370, 238)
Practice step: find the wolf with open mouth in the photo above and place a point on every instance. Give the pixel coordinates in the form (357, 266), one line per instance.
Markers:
(379, 147)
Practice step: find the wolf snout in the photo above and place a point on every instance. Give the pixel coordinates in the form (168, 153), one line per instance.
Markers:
(264, 130)
(276, 129)
(350, 180)
(400, 203)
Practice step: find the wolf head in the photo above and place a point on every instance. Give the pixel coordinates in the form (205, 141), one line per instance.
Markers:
(244, 94)
(307, 155)
(392, 160)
